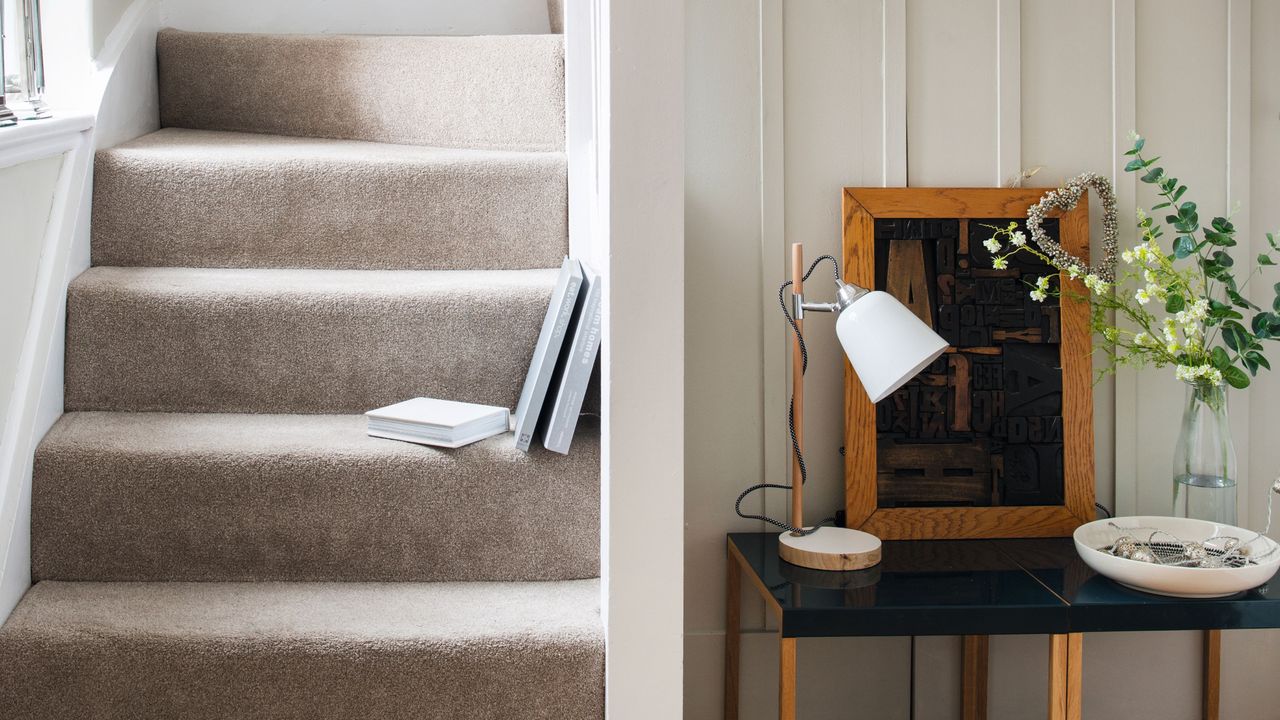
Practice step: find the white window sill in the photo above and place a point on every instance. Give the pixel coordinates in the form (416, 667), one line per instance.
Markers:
(35, 139)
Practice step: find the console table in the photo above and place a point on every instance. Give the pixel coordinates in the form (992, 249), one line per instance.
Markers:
(971, 588)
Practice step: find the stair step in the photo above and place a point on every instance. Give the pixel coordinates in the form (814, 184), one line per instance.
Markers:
(298, 341)
(195, 198)
(501, 92)
(228, 497)
(320, 651)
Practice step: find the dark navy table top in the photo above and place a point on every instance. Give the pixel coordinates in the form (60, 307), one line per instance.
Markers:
(981, 587)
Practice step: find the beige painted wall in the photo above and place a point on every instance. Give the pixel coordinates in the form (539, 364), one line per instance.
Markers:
(26, 195)
(785, 104)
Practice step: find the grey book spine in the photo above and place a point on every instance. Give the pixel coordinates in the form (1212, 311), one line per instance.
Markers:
(574, 377)
(555, 326)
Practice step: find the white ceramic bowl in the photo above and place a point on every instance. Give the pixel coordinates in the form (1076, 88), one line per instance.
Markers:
(1188, 582)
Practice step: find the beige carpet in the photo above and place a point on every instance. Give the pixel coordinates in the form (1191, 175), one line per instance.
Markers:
(157, 496)
(268, 201)
(266, 268)
(299, 651)
(305, 341)
(494, 92)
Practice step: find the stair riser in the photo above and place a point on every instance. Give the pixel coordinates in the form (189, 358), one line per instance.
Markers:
(497, 214)
(369, 510)
(136, 679)
(503, 92)
(239, 350)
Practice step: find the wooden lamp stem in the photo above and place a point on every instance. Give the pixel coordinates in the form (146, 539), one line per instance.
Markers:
(797, 391)
(826, 547)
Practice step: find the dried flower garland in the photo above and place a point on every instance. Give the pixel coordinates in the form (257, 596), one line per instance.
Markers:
(1065, 198)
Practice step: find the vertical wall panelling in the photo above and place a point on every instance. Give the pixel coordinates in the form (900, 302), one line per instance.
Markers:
(773, 252)
(1192, 145)
(1124, 113)
(1237, 154)
(1008, 90)
(1249, 658)
(893, 40)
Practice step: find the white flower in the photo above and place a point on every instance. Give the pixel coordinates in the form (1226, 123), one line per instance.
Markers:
(1074, 271)
(992, 244)
(1144, 339)
(999, 263)
(1095, 283)
(1042, 282)
(1199, 373)
(1142, 216)
(1018, 238)
(1038, 295)
(1171, 348)
(1149, 276)
(1134, 136)
(1110, 334)
(1127, 256)
(1142, 296)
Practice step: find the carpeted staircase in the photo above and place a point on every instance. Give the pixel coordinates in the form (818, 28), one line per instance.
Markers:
(324, 225)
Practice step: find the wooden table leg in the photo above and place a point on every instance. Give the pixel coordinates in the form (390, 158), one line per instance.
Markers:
(1066, 653)
(973, 684)
(787, 679)
(732, 635)
(1212, 673)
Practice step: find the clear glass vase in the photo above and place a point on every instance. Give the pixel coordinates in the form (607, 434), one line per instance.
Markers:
(1204, 462)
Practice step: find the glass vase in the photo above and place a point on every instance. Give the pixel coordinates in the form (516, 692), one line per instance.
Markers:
(1204, 462)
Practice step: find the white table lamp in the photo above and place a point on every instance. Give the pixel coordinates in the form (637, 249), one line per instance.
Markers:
(887, 346)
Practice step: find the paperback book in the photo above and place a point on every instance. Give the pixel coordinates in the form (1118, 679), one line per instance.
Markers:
(555, 327)
(573, 373)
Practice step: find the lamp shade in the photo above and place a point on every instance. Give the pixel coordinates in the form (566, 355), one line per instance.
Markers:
(886, 343)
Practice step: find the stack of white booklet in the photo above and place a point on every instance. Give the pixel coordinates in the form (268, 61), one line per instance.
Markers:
(443, 423)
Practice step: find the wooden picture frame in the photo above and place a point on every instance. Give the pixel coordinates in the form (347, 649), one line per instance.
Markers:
(861, 208)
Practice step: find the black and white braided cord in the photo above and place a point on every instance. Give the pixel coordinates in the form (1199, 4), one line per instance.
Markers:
(791, 413)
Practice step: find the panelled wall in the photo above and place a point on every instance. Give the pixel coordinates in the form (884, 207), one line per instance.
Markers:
(787, 101)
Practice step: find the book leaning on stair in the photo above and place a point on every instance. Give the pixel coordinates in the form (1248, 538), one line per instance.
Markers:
(443, 423)
(547, 352)
(573, 372)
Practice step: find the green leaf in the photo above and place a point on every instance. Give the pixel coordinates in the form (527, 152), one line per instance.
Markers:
(1251, 364)
(1183, 246)
(1231, 339)
(1239, 300)
(1219, 358)
(1262, 323)
(1260, 359)
(1134, 165)
(1159, 206)
(1137, 145)
(1265, 259)
(1271, 238)
(1177, 195)
(1219, 238)
(1149, 163)
(1153, 176)
(1223, 258)
(1174, 304)
(1236, 377)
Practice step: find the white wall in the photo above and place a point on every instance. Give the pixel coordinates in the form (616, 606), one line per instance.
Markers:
(789, 100)
(26, 195)
(384, 17)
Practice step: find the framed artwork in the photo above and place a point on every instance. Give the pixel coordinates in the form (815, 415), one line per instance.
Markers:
(995, 438)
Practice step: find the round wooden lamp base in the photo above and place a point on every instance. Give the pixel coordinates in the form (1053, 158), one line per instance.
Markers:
(831, 548)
